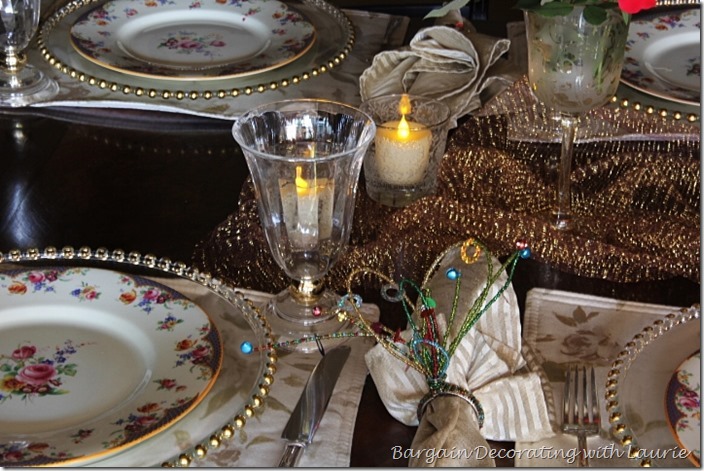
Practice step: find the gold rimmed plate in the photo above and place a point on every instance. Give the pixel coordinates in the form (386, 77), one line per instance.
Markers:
(236, 392)
(95, 361)
(663, 55)
(192, 39)
(328, 22)
(683, 406)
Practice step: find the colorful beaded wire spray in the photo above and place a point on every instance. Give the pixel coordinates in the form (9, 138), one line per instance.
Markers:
(427, 350)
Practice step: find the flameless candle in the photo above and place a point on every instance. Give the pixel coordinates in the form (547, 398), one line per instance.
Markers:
(402, 148)
(307, 208)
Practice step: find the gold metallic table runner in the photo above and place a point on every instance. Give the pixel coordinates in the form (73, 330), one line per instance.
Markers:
(636, 187)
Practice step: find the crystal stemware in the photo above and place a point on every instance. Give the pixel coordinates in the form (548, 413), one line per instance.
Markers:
(21, 83)
(304, 158)
(573, 67)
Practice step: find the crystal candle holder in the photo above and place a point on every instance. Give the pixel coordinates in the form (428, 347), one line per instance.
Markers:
(401, 165)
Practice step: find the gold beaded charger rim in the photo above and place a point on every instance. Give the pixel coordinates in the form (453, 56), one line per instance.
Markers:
(620, 420)
(54, 46)
(630, 98)
(217, 423)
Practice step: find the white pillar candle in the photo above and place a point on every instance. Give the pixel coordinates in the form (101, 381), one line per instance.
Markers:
(307, 208)
(402, 148)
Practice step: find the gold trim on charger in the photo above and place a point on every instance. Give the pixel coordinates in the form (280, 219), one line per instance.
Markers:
(239, 419)
(619, 428)
(337, 58)
(642, 105)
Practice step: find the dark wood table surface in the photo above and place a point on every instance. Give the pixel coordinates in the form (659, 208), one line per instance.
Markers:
(158, 183)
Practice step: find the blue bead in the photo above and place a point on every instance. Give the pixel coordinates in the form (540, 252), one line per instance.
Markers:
(525, 253)
(452, 274)
(246, 347)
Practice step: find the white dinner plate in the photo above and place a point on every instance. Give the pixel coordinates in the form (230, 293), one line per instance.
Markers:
(94, 361)
(192, 39)
(663, 56)
(683, 405)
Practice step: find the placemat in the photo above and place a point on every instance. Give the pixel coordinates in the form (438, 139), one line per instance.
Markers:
(260, 444)
(562, 328)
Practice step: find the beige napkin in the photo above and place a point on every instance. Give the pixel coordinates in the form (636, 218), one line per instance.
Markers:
(443, 63)
(488, 362)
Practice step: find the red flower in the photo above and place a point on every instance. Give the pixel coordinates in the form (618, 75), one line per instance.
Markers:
(24, 352)
(634, 6)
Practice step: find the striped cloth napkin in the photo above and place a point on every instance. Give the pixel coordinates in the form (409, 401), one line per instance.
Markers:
(489, 362)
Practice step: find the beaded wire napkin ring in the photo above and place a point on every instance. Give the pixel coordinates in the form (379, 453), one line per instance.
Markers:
(431, 345)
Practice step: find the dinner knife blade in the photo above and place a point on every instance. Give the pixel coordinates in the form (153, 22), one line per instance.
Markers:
(306, 416)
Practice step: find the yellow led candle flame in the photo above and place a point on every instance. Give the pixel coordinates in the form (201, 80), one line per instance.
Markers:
(302, 185)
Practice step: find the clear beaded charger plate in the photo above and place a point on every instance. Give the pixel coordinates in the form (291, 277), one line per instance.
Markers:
(330, 23)
(636, 388)
(244, 379)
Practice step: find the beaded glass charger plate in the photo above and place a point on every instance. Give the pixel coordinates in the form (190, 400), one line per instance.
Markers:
(192, 39)
(638, 385)
(55, 45)
(94, 361)
(683, 405)
(663, 55)
(222, 406)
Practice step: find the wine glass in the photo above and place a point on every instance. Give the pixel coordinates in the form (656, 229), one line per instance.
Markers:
(304, 157)
(573, 67)
(21, 83)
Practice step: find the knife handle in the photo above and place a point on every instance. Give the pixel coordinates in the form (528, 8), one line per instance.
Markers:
(292, 453)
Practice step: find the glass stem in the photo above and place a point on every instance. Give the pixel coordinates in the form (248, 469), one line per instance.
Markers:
(563, 210)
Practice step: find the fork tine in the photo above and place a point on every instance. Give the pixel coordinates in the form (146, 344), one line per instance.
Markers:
(570, 399)
(596, 414)
(581, 398)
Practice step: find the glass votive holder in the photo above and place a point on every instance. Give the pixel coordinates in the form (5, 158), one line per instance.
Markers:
(401, 165)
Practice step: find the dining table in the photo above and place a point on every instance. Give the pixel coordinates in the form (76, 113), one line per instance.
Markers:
(154, 176)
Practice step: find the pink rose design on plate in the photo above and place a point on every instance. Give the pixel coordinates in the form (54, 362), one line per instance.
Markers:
(37, 375)
(36, 277)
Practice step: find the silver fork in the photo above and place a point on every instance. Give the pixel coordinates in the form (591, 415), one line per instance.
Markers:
(581, 408)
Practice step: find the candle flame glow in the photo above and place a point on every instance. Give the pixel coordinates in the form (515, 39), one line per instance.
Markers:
(404, 106)
(403, 130)
(302, 185)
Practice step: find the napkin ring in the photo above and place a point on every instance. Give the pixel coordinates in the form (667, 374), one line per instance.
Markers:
(448, 389)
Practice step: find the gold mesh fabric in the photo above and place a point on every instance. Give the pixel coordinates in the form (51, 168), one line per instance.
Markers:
(635, 191)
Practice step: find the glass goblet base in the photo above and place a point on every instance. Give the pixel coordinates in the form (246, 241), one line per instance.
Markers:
(293, 320)
(25, 86)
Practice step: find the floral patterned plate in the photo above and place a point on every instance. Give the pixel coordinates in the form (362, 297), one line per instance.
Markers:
(683, 405)
(663, 56)
(94, 361)
(192, 39)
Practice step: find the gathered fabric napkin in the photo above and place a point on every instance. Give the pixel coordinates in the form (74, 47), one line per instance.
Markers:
(488, 363)
(442, 63)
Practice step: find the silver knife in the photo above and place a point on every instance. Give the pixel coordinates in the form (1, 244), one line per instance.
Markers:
(311, 405)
